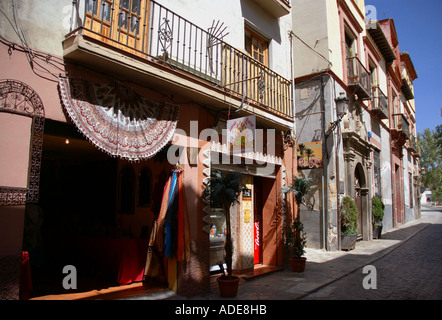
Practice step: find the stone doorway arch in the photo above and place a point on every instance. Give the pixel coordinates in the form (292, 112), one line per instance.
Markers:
(361, 200)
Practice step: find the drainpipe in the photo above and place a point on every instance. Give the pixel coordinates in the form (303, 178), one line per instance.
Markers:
(338, 178)
(325, 190)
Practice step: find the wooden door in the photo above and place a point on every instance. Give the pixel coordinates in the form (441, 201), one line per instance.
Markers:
(120, 23)
(358, 203)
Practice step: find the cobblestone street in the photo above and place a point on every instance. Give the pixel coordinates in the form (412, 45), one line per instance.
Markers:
(407, 261)
(411, 271)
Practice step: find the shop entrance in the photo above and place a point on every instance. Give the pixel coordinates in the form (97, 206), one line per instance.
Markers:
(247, 225)
(96, 214)
(360, 198)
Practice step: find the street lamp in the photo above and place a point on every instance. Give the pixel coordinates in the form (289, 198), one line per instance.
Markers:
(341, 107)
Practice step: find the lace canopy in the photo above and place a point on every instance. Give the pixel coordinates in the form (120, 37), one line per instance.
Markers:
(117, 119)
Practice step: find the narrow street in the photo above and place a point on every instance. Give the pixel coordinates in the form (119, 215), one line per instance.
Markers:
(412, 271)
(407, 262)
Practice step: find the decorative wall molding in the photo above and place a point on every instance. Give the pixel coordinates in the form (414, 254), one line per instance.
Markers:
(17, 97)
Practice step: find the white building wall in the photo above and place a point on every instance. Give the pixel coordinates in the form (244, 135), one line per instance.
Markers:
(386, 179)
(44, 25)
(310, 25)
(235, 14)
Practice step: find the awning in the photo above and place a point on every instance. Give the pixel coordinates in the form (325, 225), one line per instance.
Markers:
(117, 119)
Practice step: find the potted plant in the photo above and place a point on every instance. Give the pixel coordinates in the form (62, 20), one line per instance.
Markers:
(349, 223)
(226, 188)
(377, 214)
(295, 240)
(295, 237)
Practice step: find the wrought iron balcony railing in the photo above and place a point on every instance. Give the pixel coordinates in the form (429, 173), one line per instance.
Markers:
(358, 78)
(380, 103)
(407, 88)
(400, 124)
(412, 144)
(151, 31)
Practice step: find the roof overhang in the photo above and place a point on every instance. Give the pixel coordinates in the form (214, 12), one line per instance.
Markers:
(374, 29)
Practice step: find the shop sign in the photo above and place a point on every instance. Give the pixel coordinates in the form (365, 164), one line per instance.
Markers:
(257, 251)
(247, 203)
(241, 134)
(309, 155)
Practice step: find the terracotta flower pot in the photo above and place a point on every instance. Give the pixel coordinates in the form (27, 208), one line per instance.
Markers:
(228, 288)
(297, 264)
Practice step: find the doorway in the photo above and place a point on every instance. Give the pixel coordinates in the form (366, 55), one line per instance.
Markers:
(360, 197)
(398, 203)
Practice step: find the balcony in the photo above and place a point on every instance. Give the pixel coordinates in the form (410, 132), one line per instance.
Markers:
(358, 78)
(400, 130)
(276, 8)
(407, 88)
(153, 43)
(378, 35)
(412, 145)
(379, 104)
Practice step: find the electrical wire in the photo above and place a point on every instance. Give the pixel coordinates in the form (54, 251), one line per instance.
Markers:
(312, 49)
(34, 57)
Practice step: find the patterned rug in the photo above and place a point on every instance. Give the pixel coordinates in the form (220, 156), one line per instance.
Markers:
(117, 119)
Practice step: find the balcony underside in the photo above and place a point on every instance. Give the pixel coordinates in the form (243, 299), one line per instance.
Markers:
(380, 113)
(149, 72)
(406, 89)
(276, 8)
(378, 35)
(360, 91)
(399, 136)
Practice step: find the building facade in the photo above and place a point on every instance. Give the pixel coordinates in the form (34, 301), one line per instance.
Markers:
(114, 114)
(106, 103)
(350, 96)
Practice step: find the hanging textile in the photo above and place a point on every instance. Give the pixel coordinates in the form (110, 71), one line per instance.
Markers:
(171, 222)
(170, 236)
(183, 244)
(154, 261)
(117, 119)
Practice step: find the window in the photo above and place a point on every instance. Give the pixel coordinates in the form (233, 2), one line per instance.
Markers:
(256, 46)
(350, 45)
(121, 21)
(129, 13)
(373, 73)
(99, 9)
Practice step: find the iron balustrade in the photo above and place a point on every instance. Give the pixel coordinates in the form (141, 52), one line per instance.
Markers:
(401, 124)
(380, 103)
(412, 144)
(358, 77)
(151, 31)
